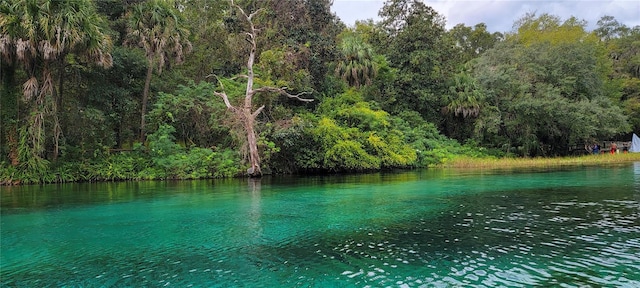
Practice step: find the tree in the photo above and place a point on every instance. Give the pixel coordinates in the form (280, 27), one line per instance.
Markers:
(39, 34)
(307, 28)
(531, 29)
(465, 96)
(357, 66)
(157, 27)
(354, 136)
(473, 41)
(463, 105)
(113, 96)
(609, 28)
(547, 88)
(244, 111)
(623, 48)
(417, 45)
(346, 133)
(205, 21)
(197, 117)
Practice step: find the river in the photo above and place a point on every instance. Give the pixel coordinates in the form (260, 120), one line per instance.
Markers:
(425, 228)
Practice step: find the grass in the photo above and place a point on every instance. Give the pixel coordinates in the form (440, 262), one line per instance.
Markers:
(512, 163)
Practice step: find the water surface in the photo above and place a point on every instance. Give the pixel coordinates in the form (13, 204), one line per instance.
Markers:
(573, 228)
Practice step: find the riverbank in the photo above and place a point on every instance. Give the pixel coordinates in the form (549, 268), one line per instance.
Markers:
(93, 173)
(539, 162)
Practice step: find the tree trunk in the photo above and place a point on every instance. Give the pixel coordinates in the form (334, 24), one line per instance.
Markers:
(145, 98)
(252, 142)
(248, 116)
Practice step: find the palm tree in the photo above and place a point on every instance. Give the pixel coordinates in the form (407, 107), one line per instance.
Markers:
(156, 26)
(357, 66)
(37, 34)
(465, 96)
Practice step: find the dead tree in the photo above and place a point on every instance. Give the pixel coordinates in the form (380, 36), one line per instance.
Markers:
(243, 112)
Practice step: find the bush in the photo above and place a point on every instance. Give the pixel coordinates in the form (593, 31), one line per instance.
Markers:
(172, 161)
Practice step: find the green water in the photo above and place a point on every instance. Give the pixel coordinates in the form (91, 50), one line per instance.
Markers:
(428, 228)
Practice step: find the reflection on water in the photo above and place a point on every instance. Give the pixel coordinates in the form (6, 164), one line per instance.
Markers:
(445, 228)
(255, 212)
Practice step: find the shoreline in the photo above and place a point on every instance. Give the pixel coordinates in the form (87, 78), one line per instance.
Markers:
(542, 162)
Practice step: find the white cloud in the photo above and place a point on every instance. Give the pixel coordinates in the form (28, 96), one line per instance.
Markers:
(499, 15)
(351, 10)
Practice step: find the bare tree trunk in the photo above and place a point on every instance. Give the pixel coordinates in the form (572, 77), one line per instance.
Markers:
(252, 142)
(145, 98)
(249, 118)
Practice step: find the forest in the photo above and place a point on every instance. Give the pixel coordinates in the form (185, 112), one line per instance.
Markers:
(189, 89)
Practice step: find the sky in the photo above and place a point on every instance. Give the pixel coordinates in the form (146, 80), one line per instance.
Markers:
(499, 15)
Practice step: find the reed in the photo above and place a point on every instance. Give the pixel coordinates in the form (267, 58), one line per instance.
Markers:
(542, 162)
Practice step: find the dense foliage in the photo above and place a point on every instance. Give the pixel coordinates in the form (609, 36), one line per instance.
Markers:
(83, 99)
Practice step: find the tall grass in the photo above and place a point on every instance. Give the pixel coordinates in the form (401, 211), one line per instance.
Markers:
(509, 163)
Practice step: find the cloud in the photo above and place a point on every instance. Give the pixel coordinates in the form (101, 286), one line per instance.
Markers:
(499, 15)
(351, 10)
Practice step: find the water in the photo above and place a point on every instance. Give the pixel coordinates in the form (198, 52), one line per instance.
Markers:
(428, 228)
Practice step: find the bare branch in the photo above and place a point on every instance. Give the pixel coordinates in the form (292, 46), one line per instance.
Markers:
(225, 99)
(248, 17)
(240, 76)
(254, 13)
(222, 94)
(257, 112)
(239, 8)
(282, 91)
(245, 76)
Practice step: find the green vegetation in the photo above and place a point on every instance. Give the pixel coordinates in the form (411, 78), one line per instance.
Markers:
(83, 99)
(541, 162)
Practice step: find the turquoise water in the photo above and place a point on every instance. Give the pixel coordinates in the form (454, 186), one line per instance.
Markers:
(428, 228)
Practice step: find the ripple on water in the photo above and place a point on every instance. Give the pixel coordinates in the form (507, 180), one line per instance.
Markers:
(507, 250)
(553, 240)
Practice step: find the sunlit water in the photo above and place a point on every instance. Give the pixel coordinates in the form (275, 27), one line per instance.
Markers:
(430, 228)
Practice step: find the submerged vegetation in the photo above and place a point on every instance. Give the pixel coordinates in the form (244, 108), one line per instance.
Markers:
(83, 99)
